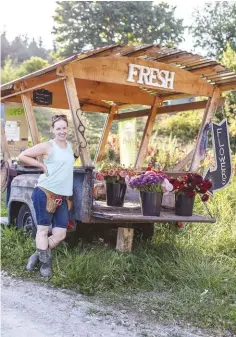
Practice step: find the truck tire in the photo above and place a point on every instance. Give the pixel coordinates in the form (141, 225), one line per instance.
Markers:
(25, 221)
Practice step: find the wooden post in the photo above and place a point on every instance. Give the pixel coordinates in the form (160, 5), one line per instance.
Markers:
(147, 132)
(74, 106)
(210, 110)
(124, 239)
(106, 130)
(29, 112)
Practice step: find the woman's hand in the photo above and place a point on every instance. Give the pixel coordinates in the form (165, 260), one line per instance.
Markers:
(44, 168)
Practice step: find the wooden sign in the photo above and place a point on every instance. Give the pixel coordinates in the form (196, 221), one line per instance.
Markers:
(42, 97)
(221, 174)
(151, 76)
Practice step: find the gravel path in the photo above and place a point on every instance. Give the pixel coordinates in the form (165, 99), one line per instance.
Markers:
(38, 310)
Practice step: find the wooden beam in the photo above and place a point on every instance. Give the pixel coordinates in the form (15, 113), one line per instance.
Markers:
(106, 130)
(76, 114)
(162, 110)
(210, 110)
(227, 87)
(124, 239)
(29, 112)
(147, 132)
(184, 161)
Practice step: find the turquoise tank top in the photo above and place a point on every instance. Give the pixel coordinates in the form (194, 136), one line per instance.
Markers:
(60, 166)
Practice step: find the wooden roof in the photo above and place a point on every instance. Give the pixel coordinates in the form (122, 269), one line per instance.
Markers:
(93, 92)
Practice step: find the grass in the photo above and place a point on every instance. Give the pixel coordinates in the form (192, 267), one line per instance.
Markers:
(182, 277)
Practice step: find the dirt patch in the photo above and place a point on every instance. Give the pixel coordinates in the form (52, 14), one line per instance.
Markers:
(39, 310)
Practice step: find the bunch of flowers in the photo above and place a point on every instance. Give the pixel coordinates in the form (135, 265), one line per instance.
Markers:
(114, 173)
(150, 181)
(192, 184)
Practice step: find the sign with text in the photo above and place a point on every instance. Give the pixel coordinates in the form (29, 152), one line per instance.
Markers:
(42, 97)
(221, 174)
(151, 76)
(128, 141)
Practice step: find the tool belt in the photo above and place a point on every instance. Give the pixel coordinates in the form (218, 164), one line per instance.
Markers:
(55, 200)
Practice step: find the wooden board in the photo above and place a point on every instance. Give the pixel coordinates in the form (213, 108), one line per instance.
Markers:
(115, 70)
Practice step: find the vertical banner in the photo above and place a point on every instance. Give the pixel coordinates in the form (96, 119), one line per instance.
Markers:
(128, 141)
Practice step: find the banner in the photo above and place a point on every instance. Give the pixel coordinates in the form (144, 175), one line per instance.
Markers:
(128, 141)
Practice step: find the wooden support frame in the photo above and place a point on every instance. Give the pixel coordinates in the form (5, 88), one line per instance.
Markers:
(29, 112)
(147, 132)
(76, 112)
(4, 146)
(210, 110)
(106, 130)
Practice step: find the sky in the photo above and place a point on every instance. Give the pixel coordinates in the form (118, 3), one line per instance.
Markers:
(34, 18)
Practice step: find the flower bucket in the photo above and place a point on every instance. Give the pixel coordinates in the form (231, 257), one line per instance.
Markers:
(115, 194)
(151, 203)
(184, 205)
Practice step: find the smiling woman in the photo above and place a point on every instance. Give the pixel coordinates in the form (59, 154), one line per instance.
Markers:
(51, 196)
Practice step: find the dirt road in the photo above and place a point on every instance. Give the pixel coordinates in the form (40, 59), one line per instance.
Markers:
(33, 309)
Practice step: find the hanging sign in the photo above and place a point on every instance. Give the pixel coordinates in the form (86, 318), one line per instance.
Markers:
(221, 174)
(42, 97)
(151, 76)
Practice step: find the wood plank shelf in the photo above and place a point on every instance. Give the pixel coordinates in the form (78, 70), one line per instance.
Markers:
(131, 212)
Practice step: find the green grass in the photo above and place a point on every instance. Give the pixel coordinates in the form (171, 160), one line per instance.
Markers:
(3, 205)
(185, 277)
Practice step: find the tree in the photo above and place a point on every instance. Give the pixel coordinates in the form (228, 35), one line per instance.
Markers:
(9, 71)
(19, 49)
(214, 26)
(5, 48)
(79, 24)
(33, 64)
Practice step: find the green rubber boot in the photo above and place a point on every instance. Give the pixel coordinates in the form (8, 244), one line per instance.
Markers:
(45, 259)
(33, 261)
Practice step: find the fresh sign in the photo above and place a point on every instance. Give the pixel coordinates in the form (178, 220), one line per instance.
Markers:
(222, 172)
(151, 76)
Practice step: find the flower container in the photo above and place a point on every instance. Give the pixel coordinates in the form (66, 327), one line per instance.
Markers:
(115, 194)
(151, 203)
(184, 205)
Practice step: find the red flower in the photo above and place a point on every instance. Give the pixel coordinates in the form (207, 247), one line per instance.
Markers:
(205, 197)
(190, 194)
(149, 168)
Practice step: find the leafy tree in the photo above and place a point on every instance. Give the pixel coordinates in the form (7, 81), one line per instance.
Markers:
(19, 49)
(33, 64)
(9, 71)
(79, 24)
(214, 26)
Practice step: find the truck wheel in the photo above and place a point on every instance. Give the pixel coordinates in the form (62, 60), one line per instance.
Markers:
(25, 221)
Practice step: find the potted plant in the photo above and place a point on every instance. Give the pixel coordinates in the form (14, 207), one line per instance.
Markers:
(151, 185)
(114, 176)
(186, 188)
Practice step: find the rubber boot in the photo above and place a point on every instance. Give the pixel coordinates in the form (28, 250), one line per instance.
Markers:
(33, 261)
(45, 258)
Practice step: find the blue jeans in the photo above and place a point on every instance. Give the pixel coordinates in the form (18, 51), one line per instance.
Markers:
(58, 219)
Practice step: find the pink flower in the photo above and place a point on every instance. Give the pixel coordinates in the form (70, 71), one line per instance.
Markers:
(99, 176)
(123, 173)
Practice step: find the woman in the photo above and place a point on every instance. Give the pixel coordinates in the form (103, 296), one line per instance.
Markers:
(50, 196)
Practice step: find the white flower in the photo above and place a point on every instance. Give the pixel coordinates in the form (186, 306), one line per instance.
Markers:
(166, 186)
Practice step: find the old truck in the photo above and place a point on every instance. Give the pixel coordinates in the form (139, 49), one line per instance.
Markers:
(108, 80)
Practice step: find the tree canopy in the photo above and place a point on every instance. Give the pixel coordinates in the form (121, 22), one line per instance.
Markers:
(214, 26)
(79, 24)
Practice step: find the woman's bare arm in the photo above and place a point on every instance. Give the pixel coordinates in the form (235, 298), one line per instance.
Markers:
(28, 156)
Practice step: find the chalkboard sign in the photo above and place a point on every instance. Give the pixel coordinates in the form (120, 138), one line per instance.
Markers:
(221, 174)
(42, 97)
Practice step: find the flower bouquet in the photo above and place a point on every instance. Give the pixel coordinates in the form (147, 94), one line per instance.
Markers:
(186, 188)
(151, 184)
(114, 175)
